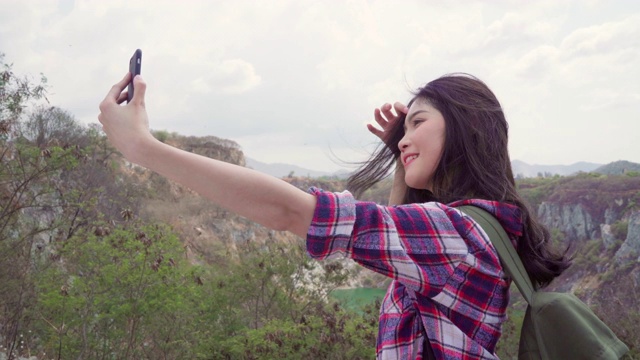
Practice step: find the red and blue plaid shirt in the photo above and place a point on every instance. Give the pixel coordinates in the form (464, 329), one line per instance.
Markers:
(448, 281)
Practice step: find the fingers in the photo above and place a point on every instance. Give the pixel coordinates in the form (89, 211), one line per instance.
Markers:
(400, 108)
(386, 116)
(379, 119)
(114, 94)
(116, 89)
(140, 89)
(386, 111)
(375, 131)
(123, 96)
(389, 115)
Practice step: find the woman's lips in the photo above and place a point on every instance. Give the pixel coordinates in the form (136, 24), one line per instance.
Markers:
(409, 158)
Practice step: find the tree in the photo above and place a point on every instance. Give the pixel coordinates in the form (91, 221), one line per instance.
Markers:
(16, 93)
(55, 179)
(49, 126)
(21, 166)
(122, 292)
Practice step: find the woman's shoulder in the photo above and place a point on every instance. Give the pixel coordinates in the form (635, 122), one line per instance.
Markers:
(508, 215)
(447, 216)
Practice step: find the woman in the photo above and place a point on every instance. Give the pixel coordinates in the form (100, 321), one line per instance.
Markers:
(449, 295)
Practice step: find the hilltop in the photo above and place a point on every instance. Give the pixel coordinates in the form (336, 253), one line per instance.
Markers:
(618, 168)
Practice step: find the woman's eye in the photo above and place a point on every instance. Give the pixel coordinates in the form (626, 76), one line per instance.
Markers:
(417, 122)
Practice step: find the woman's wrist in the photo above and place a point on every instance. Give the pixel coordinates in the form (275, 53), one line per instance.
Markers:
(145, 150)
(399, 186)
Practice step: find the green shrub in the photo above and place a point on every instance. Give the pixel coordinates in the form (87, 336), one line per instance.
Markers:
(161, 135)
(619, 229)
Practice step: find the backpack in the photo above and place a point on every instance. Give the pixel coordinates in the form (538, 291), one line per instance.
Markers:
(556, 325)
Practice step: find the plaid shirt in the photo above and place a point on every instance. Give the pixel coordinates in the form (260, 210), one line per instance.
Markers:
(448, 281)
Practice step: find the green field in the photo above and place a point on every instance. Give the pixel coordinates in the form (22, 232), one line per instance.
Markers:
(356, 299)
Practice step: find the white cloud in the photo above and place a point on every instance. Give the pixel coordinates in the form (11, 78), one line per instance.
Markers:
(603, 38)
(226, 77)
(537, 63)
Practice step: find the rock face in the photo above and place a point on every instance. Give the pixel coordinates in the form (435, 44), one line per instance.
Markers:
(630, 249)
(577, 224)
(572, 219)
(211, 146)
(608, 237)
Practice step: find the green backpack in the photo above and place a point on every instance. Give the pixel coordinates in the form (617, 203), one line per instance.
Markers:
(556, 325)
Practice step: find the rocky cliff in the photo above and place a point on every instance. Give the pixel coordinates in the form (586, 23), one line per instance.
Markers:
(580, 221)
(210, 146)
(572, 219)
(630, 248)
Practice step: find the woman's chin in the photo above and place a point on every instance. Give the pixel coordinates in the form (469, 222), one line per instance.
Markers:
(415, 185)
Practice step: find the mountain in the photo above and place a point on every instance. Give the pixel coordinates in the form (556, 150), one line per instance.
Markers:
(281, 170)
(520, 169)
(524, 170)
(618, 168)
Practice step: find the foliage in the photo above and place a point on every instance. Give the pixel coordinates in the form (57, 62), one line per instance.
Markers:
(619, 168)
(596, 192)
(127, 292)
(161, 135)
(23, 191)
(327, 333)
(589, 253)
(16, 93)
(358, 298)
(53, 184)
(536, 190)
(619, 229)
(123, 293)
(616, 303)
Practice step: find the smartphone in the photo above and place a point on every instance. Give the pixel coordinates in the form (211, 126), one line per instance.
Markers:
(135, 65)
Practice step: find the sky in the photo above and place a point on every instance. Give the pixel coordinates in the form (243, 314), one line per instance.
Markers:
(296, 81)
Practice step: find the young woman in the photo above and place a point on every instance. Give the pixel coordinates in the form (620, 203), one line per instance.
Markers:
(449, 295)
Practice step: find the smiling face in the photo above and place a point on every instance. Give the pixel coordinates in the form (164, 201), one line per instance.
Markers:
(422, 145)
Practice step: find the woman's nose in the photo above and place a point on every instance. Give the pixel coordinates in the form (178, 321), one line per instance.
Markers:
(403, 143)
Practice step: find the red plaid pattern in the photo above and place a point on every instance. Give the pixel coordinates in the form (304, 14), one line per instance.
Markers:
(443, 265)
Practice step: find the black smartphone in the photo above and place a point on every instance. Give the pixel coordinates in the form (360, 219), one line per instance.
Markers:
(135, 65)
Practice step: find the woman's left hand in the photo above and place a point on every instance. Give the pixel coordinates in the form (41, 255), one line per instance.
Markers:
(386, 119)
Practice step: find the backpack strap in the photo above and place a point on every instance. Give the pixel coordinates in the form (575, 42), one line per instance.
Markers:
(507, 253)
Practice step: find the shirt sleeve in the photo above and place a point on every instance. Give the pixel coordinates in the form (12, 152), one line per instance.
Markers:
(416, 244)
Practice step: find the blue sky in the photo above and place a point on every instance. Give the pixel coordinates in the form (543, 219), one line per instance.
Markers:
(296, 81)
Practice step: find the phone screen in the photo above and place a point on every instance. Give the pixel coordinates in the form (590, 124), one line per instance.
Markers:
(135, 65)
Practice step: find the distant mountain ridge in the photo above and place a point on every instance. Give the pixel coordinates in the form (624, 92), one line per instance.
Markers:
(281, 170)
(618, 168)
(521, 169)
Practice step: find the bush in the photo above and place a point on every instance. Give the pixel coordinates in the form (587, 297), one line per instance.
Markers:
(619, 229)
(161, 135)
(124, 292)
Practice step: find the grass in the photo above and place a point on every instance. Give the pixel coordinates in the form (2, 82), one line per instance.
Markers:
(358, 298)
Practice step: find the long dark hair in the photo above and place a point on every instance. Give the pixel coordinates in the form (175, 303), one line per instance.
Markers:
(475, 164)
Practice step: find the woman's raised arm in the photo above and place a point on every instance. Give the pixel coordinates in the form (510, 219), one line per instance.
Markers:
(386, 119)
(262, 198)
